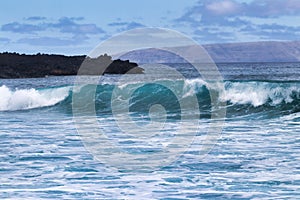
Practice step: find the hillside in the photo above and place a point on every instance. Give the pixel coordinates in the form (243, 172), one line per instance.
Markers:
(227, 53)
(255, 52)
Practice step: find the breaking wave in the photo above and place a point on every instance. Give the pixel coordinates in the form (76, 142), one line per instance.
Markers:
(241, 97)
(24, 99)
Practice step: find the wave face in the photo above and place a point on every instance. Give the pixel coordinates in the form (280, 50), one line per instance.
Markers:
(244, 97)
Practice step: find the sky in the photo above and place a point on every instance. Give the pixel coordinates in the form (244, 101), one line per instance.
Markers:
(73, 27)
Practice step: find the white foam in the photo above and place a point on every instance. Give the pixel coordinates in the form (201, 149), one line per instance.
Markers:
(258, 93)
(254, 93)
(30, 98)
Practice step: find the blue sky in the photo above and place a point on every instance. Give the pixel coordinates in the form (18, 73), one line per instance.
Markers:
(76, 27)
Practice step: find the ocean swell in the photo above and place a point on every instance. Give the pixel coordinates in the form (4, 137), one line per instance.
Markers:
(240, 96)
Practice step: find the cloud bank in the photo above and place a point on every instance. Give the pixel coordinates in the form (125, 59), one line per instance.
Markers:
(230, 20)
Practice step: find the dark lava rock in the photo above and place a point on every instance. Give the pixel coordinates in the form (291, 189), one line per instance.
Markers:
(13, 65)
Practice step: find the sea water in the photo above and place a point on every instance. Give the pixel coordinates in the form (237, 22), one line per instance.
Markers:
(256, 156)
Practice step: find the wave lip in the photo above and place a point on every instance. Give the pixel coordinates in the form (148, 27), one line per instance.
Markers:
(24, 99)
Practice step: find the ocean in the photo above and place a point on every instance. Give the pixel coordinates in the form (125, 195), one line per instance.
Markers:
(47, 151)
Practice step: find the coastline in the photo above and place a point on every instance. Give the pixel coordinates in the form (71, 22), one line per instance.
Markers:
(14, 65)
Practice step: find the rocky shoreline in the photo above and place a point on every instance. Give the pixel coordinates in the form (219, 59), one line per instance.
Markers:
(14, 65)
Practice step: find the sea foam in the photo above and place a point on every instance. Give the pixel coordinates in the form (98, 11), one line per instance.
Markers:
(22, 99)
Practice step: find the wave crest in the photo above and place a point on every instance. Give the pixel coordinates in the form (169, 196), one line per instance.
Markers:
(260, 93)
(30, 98)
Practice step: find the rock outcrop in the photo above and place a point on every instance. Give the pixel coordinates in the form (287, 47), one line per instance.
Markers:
(13, 65)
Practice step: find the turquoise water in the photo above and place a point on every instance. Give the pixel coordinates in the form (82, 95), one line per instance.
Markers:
(256, 156)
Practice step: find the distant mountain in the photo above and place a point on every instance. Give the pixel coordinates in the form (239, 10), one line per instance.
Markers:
(255, 52)
(226, 53)
(152, 55)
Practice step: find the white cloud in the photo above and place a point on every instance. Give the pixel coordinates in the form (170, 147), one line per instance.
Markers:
(223, 7)
(243, 20)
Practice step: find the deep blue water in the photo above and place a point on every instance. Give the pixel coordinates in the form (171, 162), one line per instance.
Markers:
(256, 156)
